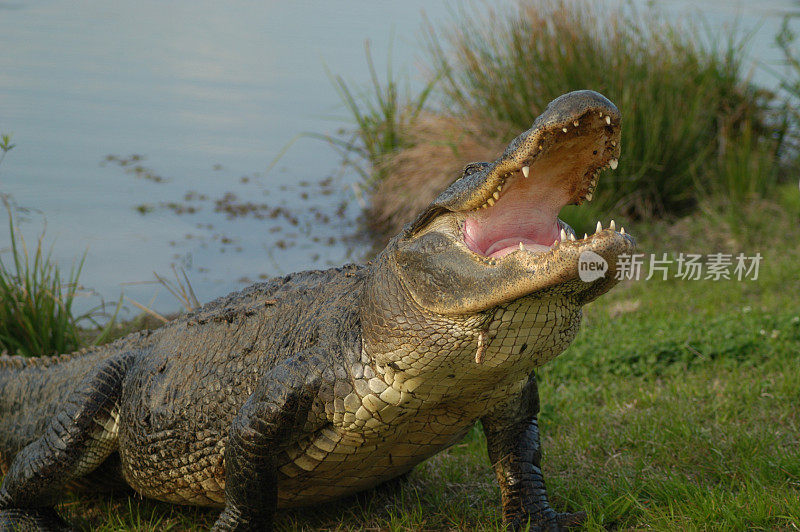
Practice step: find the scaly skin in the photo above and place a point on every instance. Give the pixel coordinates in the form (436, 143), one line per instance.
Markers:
(323, 383)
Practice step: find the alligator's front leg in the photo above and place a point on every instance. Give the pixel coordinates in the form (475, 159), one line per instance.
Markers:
(512, 436)
(78, 439)
(270, 420)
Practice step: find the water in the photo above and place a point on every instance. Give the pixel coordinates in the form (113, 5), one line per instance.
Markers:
(208, 94)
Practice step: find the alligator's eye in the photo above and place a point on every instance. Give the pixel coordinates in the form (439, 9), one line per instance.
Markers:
(471, 168)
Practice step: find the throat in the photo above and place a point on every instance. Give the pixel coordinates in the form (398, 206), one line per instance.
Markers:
(524, 214)
(499, 233)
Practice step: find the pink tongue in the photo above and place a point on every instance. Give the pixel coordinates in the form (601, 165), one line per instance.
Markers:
(505, 246)
(501, 235)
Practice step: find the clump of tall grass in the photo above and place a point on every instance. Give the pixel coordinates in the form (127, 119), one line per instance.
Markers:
(749, 179)
(693, 124)
(36, 301)
(684, 96)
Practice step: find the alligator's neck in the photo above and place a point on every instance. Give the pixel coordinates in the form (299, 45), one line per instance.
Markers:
(417, 351)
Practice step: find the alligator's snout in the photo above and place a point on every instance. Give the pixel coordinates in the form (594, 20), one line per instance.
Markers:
(503, 215)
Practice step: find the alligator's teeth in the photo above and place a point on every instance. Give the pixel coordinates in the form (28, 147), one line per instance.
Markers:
(526, 170)
(608, 120)
(571, 237)
(576, 123)
(613, 163)
(589, 196)
(500, 188)
(622, 230)
(585, 236)
(521, 247)
(612, 226)
(599, 227)
(496, 195)
(564, 129)
(490, 201)
(563, 234)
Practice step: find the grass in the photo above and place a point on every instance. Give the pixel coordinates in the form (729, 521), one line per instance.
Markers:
(674, 409)
(682, 396)
(36, 301)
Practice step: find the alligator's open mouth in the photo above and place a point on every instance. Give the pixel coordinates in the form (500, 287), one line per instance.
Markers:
(557, 164)
(494, 235)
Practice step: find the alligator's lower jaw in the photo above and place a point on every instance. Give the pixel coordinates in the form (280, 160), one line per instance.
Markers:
(565, 237)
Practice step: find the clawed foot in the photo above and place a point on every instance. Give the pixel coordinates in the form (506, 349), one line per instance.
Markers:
(556, 523)
(31, 520)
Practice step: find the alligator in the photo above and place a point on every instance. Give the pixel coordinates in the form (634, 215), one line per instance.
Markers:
(320, 384)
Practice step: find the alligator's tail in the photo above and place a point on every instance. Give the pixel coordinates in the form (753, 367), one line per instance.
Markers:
(32, 389)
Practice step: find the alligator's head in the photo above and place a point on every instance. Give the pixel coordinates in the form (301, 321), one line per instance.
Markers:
(494, 237)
